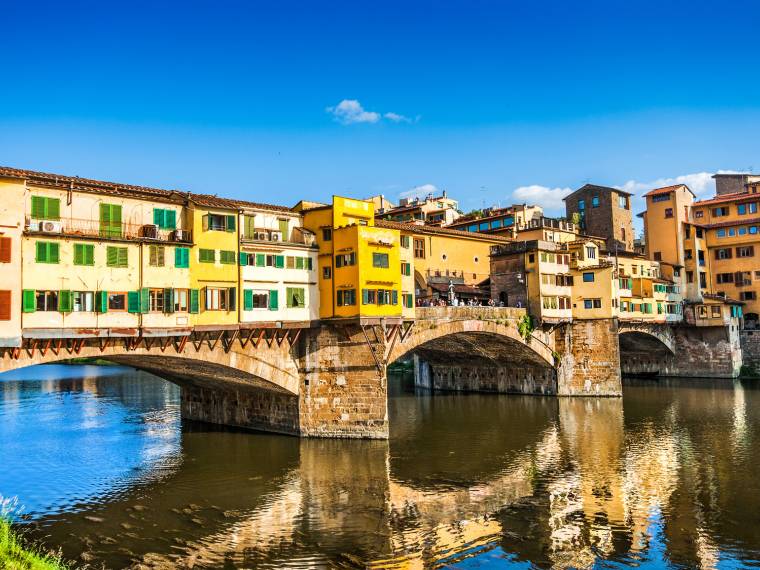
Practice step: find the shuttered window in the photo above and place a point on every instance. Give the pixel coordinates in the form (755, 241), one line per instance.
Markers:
(194, 301)
(249, 227)
(182, 257)
(284, 229)
(296, 297)
(84, 254)
(5, 249)
(273, 300)
(5, 305)
(44, 208)
(47, 252)
(110, 220)
(156, 254)
(117, 256)
(227, 257)
(207, 255)
(165, 219)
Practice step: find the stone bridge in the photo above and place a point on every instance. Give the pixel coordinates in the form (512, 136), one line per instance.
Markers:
(329, 379)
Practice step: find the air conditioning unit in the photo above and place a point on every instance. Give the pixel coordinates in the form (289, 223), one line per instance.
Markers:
(150, 231)
(181, 235)
(262, 236)
(34, 225)
(51, 227)
(276, 236)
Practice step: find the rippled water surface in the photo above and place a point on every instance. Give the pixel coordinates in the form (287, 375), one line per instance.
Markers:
(667, 477)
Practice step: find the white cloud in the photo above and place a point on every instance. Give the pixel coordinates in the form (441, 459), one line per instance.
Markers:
(550, 199)
(350, 111)
(420, 191)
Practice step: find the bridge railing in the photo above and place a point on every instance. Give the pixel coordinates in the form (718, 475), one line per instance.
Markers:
(466, 313)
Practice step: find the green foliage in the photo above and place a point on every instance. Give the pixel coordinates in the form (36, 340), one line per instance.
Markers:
(526, 326)
(15, 555)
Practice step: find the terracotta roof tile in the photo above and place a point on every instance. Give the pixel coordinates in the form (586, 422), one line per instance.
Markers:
(414, 228)
(667, 190)
(735, 197)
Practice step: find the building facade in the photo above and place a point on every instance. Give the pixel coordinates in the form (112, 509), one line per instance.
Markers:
(603, 212)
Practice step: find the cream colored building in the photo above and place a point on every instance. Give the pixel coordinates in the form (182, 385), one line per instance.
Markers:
(11, 228)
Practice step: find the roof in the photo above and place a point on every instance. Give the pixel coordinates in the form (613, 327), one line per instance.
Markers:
(434, 230)
(733, 223)
(130, 190)
(587, 187)
(668, 190)
(735, 197)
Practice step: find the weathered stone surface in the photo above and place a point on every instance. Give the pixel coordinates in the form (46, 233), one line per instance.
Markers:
(750, 343)
(589, 355)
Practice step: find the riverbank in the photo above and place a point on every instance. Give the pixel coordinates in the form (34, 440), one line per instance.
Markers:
(15, 555)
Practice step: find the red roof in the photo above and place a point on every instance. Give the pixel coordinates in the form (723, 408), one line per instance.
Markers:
(722, 199)
(667, 190)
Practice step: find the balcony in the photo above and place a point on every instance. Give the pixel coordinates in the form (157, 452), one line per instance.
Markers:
(115, 231)
(299, 236)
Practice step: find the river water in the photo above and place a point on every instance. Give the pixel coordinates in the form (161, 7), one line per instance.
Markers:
(666, 477)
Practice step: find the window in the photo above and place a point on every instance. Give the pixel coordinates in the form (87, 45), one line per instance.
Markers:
(721, 233)
(531, 258)
(496, 224)
(227, 257)
(472, 228)
(702, 279)
(407, 300)
(658, 255)
(5, 305)
(588, 277)
(110, 220)
(219, 222)
(719, 212)
(725, 278)
(253, 299)
(700, 233)
(295, 297)
(406, 268)
(753, 230)
(623, 201)
(165, 219)
(181, 300)
(590, 252)
(116, 256)
(731, 232)
(182, 257)
(690, 277)
(741, 209)
(346, 297)
(84, 254)
(746, 251)
(380, 260)
(117, 301)
(483, 226)
(723, 253)
(156, 297)
(345, 259)
(419, 248)
(47, 252)
(219, 299)
(581, 204)
(284, 226)
(661, 197)
(47, 301)
(405, 241)
(592, 303)
(207, 255)
(327, 272)
(369, 296)
(595, 201)
(715, 311)
(5, 249)
(326, 234)
(668, 212)
(743, 231)
(44, 208)
(156, 255)
(747, 296)
(699, 213)
(83, 302)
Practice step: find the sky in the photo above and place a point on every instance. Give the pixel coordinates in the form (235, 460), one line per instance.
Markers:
(277, 101)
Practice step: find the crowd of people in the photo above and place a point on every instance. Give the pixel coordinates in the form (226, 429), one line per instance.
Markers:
(456, 302)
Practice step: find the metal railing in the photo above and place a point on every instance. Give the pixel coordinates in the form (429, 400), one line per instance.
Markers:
(74, 227)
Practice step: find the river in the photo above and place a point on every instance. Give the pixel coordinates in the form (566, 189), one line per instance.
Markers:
(665, 477)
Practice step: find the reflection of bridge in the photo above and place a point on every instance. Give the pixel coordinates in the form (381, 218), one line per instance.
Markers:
(329, 380)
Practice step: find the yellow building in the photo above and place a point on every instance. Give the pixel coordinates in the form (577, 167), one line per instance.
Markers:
(11, 228)
(214, 263)
(359, 263)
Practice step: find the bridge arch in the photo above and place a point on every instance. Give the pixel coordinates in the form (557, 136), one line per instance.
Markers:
(646, 338)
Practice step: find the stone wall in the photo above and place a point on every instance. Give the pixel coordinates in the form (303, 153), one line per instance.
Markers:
(589, 354)
(707, 352)
(507, 379)
(342, 393)
(750, 343)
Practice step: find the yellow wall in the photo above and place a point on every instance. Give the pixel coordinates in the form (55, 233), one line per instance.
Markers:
(317, 220)
(203, 275)
(461, 254)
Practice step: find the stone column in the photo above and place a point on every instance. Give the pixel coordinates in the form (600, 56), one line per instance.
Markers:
(589, 358)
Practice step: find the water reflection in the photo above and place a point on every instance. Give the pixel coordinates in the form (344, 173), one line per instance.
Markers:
(663, 478)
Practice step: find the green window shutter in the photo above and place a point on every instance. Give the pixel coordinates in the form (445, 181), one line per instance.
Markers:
(41, 254)
(249, 226)
(247, 299)
(194, 301)
(101, 301)
(260, 260)
(53, 210)
(232, 298)
(54, 252)
(309, 264)
(112, 256)
(279, 261)
(365, 297)
(65, 301)
(144, 300)
(171, 219)
(159, 216)
(38, 207)
(110, 220)
(123, 257)
(299, 262)
(273, 301)
(229, 223)
(394, 297)
(284, 229)
(207, 255)
(168, 300)
(181, 257)
(29, 301)
(300, 297)
(133, 302)
(243, 258)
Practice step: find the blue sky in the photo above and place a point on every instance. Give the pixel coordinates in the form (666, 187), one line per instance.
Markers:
(278, 101)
